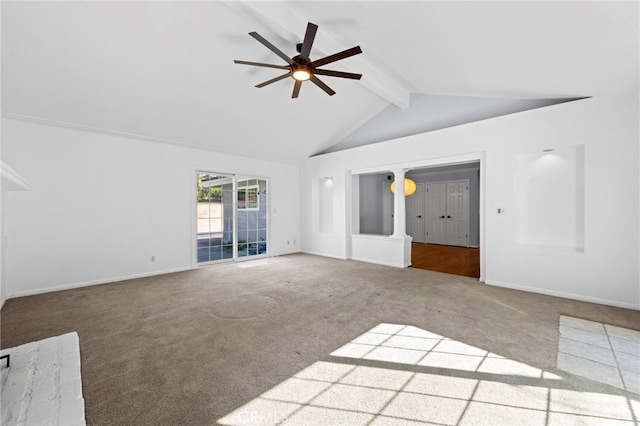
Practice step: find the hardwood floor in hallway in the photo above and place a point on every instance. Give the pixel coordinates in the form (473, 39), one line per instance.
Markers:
(449, 259)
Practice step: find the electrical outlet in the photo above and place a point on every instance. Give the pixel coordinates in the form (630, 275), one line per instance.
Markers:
(287, 242)
(294, 241)
(153, 258)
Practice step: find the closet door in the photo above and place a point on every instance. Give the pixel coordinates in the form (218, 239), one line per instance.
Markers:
(458, 213)
(437, 213)
(415, 214)
(448, 213)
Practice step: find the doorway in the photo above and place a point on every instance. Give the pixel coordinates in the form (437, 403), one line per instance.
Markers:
(373, 202)
(449, 203)
(231, 217)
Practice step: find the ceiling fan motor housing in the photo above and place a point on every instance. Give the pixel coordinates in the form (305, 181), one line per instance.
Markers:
(301, 65)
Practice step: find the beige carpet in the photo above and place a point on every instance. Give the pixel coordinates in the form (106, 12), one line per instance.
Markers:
(193, 347)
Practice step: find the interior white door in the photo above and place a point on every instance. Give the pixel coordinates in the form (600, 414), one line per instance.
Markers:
(448, 213)
(415, 214)
(436, 213)
(458, 213)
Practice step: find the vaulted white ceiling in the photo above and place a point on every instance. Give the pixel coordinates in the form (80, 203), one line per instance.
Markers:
(164, 70)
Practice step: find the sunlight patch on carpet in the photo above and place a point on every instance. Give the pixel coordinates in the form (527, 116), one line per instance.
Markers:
(401, 374)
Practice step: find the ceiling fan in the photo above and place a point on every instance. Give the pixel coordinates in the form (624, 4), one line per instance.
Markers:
(301, 68)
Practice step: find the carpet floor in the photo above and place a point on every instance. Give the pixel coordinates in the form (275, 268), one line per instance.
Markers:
(192, 347)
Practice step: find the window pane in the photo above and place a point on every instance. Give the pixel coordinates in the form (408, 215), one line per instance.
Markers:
(216, 253)
(242, 199)
(227, 251)
(203, 254)
(252, 198)
(203, 226)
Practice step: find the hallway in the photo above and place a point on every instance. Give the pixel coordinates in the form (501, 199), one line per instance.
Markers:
(448, 259)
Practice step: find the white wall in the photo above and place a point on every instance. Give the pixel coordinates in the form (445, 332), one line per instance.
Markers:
(101, 205)
(606, 271)
(3, 285)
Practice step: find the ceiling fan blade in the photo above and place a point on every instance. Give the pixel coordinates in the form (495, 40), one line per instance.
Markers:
(273, 80)
(337, 74)
(308, 40)
(296, 89)
(336, 56)
(271, 47)
(323, 86)
(260, 64)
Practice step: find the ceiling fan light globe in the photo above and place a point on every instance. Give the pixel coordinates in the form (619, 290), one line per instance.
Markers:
(301, 74)
(409, 187)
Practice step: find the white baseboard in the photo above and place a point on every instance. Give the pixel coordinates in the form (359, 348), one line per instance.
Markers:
(378, 262)
(565, 295)
(323, 254)
(94, 282)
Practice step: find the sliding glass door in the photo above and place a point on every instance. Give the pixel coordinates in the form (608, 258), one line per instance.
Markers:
(231, 217)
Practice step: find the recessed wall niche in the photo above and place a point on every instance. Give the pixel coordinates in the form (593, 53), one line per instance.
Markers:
(549, 198)
(322, 204)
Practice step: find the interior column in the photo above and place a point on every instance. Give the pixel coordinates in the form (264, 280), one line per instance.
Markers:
(399, 205)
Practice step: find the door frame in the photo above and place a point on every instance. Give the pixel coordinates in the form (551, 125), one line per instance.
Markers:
(471, 157)
(193, 226)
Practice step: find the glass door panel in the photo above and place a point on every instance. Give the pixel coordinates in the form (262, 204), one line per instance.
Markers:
(252, 217)
(214, 217)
